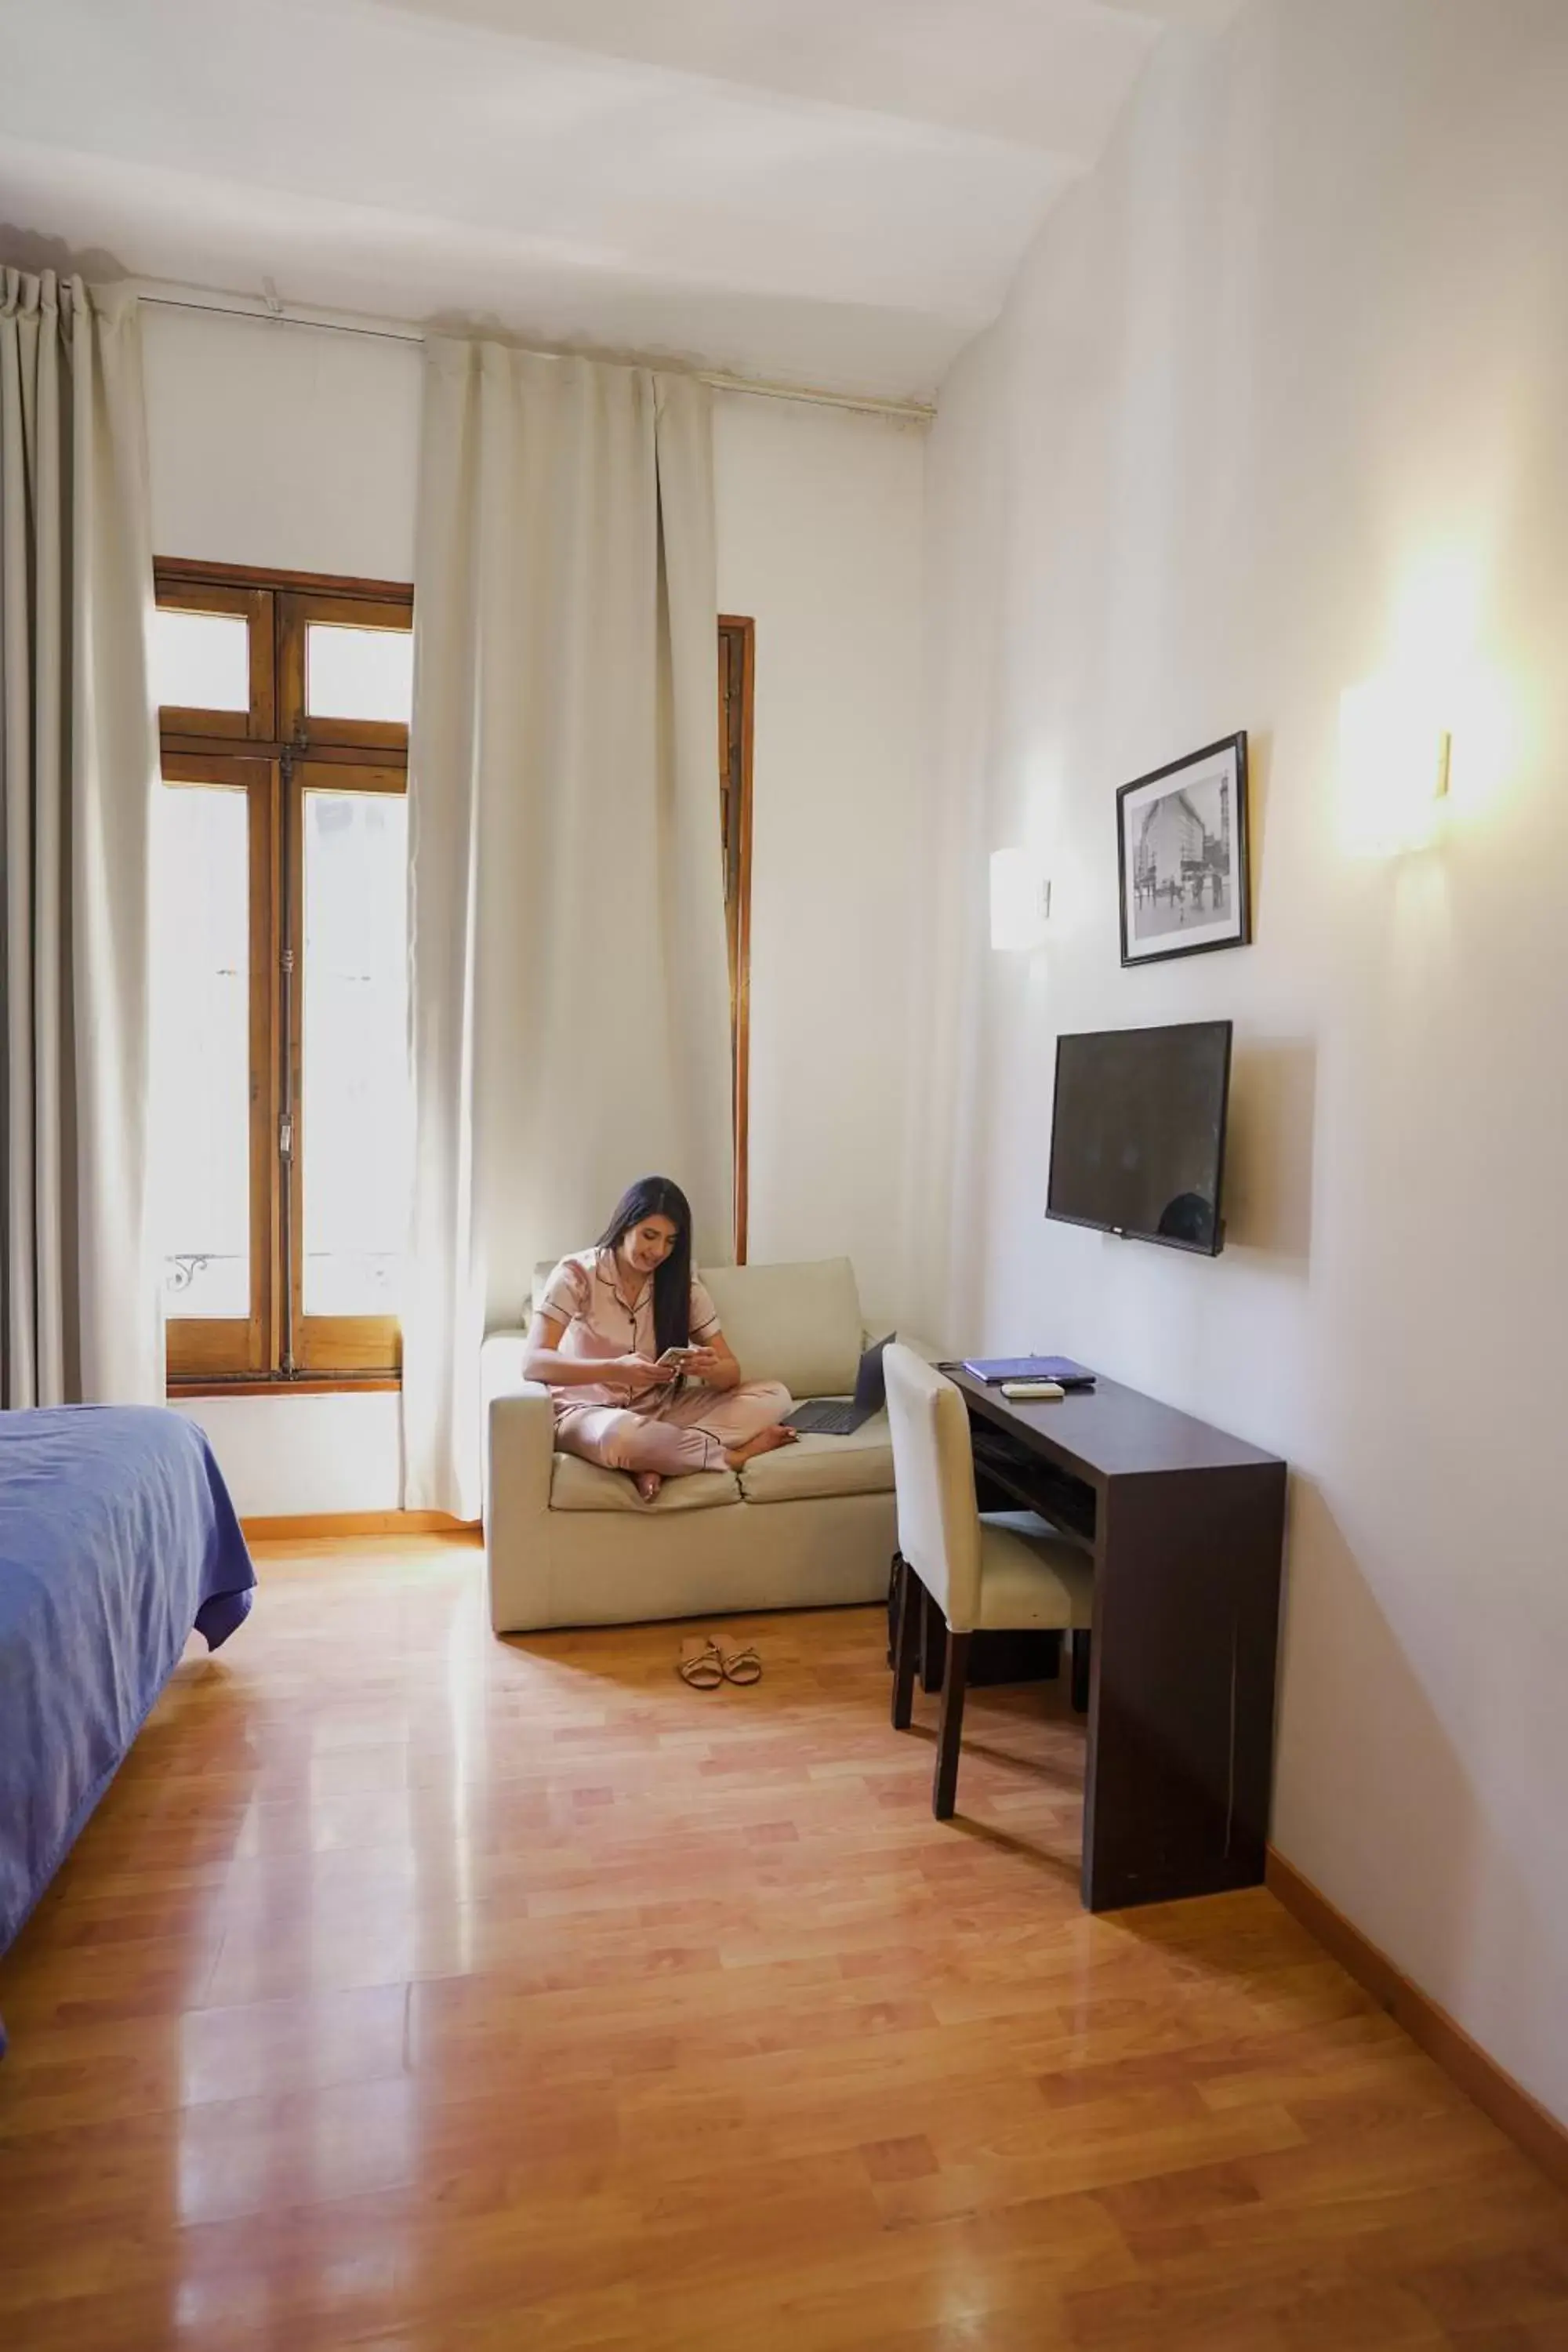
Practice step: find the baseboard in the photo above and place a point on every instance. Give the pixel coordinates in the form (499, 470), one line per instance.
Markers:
(305, 1529)
(1508, 2103)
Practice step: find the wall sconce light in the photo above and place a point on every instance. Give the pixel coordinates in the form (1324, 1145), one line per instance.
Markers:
(1020, 900)
(1394, 768)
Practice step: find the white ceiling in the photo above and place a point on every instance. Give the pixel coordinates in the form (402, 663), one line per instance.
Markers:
(832, 191)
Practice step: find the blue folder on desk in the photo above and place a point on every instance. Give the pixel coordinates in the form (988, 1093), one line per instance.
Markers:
(995, 1370)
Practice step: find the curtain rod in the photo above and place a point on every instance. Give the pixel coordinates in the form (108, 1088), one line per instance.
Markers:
(397, 331)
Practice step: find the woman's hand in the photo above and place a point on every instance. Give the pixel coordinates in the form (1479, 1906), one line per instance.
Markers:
(635, 1372)
(715, 1367)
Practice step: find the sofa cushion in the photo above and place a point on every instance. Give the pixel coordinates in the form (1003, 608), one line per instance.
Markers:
(817, 1466)
(797, 1324)
(579, 1485)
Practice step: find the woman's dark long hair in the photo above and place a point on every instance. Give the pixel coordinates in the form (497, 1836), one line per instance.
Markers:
(656, 1196)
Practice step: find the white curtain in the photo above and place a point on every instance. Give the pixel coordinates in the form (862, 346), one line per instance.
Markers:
(570, 1011)
(78, 760)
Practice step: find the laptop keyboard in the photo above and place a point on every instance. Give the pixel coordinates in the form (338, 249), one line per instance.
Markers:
(824, 1420)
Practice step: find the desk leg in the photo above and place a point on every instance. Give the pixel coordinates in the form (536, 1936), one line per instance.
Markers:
(1082, 1651)
(1182, 1685)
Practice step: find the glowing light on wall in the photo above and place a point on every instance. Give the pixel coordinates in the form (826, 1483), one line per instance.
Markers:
(1394, 768)
(1428, 740)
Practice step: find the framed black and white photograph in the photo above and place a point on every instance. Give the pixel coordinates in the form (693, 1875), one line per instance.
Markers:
(1181, 836)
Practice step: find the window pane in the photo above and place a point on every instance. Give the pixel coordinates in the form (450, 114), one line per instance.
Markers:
(356, 1094)
(358, 673)
(201, 660)
(201, 1049)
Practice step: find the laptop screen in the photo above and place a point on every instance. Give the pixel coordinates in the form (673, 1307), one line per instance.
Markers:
(870, 1386)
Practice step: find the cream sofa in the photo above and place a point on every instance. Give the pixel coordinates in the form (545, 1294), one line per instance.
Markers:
(813, 1524)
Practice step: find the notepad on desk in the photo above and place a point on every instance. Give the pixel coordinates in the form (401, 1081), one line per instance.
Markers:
(995, 1370)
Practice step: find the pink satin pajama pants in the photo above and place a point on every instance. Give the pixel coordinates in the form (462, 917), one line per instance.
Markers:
(688, 1431)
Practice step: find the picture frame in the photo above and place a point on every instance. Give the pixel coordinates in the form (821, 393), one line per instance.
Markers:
(1182, 853)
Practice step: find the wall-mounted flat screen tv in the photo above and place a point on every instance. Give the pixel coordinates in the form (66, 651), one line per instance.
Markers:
(1137, 1133)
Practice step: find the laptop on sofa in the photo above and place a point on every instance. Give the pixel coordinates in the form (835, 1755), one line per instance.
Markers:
(840, 1417)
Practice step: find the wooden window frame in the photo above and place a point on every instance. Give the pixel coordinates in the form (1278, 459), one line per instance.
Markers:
(363, 1344)
(277, 752)
(296, 612)
(253, 605)
(202, 1348)
(737, 698)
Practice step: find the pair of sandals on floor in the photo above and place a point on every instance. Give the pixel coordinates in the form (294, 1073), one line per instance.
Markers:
(704, 1663)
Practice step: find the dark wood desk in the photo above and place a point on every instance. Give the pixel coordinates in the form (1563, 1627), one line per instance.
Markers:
(1186, 1530)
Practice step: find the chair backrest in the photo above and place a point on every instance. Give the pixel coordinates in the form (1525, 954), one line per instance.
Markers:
(933, 1472)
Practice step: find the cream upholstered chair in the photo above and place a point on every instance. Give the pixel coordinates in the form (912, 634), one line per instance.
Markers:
(1006, 1571)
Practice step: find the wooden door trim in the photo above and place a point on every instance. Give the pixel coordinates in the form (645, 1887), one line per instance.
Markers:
(735, 757)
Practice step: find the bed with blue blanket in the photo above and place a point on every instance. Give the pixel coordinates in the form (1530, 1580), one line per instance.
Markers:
(117, 1537)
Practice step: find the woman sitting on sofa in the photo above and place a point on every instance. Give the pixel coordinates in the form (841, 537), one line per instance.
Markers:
(626, 1340)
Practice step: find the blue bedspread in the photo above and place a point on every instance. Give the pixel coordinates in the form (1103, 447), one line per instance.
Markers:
(117, 1536)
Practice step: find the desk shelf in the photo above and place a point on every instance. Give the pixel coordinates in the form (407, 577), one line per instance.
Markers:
(1023, 1478)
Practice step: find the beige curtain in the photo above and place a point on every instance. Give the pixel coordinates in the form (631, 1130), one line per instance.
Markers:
(570, 1009)
(78, 753)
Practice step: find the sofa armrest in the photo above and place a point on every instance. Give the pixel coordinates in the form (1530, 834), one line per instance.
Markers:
(501, 1375)
(519, 1453)
(520, 1431)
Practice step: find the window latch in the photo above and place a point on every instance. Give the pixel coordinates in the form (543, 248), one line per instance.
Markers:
(285, 1138)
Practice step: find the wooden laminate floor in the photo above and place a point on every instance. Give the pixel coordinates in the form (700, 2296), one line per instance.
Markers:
(415, 1990)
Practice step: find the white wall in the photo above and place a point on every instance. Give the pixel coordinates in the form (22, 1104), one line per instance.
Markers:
(295, 448)
(1276, 404)
(819, 515)
(307, 1454)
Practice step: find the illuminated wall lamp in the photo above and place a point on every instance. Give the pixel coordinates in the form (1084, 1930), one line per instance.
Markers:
(1393, 767)
(1020, 901)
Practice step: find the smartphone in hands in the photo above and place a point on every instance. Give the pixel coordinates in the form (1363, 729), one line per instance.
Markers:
(679, 1358)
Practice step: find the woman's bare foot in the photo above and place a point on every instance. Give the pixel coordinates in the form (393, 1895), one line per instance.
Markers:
(647, 1483)
(766, 1441)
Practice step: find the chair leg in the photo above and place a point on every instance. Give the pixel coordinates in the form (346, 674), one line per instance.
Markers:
(944, 1790)
(912, 1594)
(1082, 1658)
(934, 1642)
